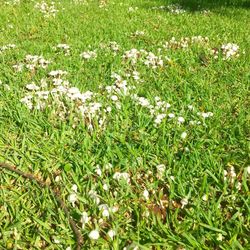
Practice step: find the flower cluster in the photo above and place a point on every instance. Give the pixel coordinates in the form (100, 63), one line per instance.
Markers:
(185, 42)
(87, 55)
(12, 2)
(230, 50)
(132, 9)
(62, 47)
(172, 8)
(226, 51)
(48, 10)
(147, 58)
(175, 9)
(7, 47)
(137, 33)
(31, 63)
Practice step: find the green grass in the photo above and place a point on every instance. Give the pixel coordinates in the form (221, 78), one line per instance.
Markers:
(39, 142)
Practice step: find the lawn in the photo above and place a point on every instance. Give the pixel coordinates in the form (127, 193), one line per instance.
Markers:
(132, 119)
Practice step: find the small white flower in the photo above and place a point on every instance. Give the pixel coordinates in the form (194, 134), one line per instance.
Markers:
(146, 194)
(160, 171)
(84, 219)
(114, 98)
(248, 169)
(98, 171)
(181, 119)
(58, 178)
(56, 241)
(94, 235)
(171, 115)
(72, 198)
(184, 202)
(205, 197)
(119, 176)
(219, 237)
(111, 233)
(108, 109)
(105, 187)
(32, 86)
(74, 188)
(183, 135)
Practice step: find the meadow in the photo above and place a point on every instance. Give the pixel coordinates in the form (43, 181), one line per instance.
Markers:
(136, 114)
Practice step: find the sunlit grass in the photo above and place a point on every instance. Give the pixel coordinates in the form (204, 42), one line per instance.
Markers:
(152, 148)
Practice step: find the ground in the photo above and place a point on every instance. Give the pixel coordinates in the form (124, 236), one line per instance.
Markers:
(137, 112)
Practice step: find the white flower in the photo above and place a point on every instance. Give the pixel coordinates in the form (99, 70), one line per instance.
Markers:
(183, 135)
(88, 55)
(105, 187)
(160, 171)
(119, 176)
(93, 195)
(219, 237)
(32, 86)
(84, 219)
(72, 198)
(248, 169)
(98, 171)
(205, 197)
(58, 178)
(146, 194)
(114, 98)
(184, 202)
(111, 233)
(171, 115)
(74, 188)
(181, 119)
(104, 209)
(56, 241)
(108, 109)
(94, 235)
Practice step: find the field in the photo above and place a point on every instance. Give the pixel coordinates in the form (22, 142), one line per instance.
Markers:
(135, 114)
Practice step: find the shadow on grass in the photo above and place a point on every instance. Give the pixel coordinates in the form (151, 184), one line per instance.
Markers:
(194, 5)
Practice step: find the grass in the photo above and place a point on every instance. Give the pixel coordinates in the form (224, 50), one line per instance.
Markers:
(192, 202)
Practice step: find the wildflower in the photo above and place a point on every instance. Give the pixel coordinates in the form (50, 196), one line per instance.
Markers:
(160, 170)
(104, 209)
(74, 188)
(84, 219)
(184, 202)
(88, 55)
(219, 237)
(94, 235)
(98, 170)
(111, 233)
(32, 86)
(94, 196)
(146, 194)
(121, 176)
(181, 120)
(72, 198)
(183, 135)
(114, 98)
(171, 115)
(105, 187)
(248, 169)
(205, 197)
(57, 178)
